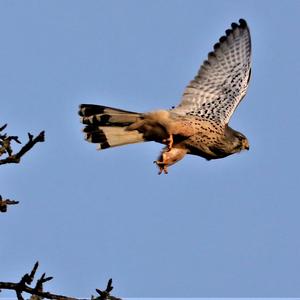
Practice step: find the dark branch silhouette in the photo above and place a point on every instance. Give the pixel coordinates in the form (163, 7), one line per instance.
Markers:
(11, 157)
(103, 295)
(24, 285)
(5, 202)
(5, 146)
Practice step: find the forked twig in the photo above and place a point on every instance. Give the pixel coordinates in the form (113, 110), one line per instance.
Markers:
(5, 146)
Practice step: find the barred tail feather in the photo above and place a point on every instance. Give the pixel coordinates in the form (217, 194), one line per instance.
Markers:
(107, 126)
(104, 115)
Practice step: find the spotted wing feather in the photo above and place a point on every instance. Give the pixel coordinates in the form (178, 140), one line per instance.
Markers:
(223, 78)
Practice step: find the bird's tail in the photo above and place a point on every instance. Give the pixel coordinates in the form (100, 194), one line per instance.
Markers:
(108, 126)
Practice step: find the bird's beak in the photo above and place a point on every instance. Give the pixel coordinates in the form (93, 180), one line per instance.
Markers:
(246, 145)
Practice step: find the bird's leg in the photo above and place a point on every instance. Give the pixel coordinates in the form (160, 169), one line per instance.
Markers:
(162, 165)
(169, 142)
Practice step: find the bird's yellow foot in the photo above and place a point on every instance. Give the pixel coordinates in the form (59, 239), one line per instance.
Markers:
(169, 142)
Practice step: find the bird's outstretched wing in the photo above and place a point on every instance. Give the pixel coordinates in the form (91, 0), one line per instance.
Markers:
(222, 80)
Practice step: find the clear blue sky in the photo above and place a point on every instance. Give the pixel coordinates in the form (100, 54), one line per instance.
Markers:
(226, 228)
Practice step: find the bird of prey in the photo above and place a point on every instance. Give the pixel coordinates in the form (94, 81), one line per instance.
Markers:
(199, 124)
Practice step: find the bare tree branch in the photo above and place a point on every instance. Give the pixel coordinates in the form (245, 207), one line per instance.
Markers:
(5, 202)
(5, 146)
(37, 292)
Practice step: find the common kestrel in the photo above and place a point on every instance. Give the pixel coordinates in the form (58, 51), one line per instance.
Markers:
(199, 124)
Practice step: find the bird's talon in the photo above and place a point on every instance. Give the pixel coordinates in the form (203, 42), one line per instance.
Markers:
(162, 167)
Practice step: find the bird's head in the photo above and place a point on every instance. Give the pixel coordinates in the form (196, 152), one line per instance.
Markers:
(237, 140)
(240, 142)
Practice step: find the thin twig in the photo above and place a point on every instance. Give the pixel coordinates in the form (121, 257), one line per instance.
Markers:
(105, 295)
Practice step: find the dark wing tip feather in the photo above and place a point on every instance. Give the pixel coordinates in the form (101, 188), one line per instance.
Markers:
(206, 63)
(228, 32)
(242, 24)
(211, 54)
(223, 38)
(217, 46)
(234, 26)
